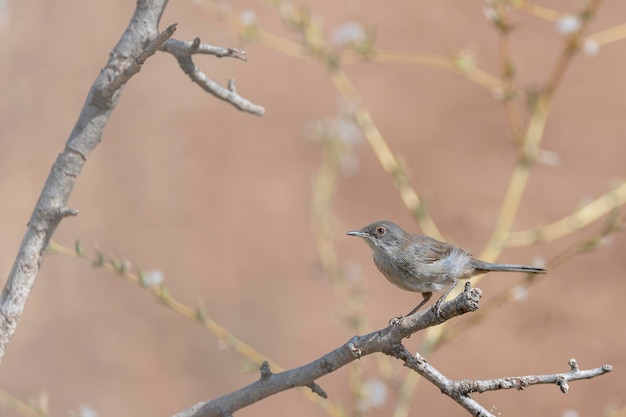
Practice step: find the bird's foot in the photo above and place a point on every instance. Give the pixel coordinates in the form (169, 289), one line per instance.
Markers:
(437, 309)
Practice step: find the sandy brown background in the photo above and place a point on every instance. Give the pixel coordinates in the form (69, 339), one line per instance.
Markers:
(219, 201)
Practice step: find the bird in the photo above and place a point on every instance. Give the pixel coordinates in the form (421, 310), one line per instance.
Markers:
(423, 264)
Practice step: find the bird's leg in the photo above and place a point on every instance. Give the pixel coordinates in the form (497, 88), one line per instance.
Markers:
(439, 302)
(396, 321)
(426, 296)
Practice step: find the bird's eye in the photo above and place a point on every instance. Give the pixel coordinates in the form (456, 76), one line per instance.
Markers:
(380, 231)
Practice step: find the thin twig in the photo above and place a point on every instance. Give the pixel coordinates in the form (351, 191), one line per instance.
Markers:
(468, 386)
(183, 52)
(460, 391)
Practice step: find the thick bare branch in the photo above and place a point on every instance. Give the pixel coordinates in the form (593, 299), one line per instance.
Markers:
(134, 66)
(86, 135)
(140, 41)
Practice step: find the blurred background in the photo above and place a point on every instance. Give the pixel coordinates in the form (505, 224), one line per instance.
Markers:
(234, 212)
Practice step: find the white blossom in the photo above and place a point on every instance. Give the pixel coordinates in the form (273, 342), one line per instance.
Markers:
(153, 278)
(348, 33)
(86, 411)
(591, 47)
(568, 24)
(520, 293)
(374, 395)
(247, 18)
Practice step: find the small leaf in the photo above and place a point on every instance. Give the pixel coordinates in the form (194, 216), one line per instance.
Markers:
(80, 251)
(99, 261)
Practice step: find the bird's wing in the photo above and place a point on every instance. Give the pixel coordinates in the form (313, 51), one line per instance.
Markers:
(431, 250)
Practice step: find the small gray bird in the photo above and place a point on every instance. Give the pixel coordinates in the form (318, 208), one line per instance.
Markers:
(423, 264)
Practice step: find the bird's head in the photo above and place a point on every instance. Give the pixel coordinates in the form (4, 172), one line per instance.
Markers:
(382, 235)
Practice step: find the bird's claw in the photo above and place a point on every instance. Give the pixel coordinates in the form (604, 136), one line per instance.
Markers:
(438, 312)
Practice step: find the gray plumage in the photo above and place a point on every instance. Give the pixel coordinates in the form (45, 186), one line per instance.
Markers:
(423, 264)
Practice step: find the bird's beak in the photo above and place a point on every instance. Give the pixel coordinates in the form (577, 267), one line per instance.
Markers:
(357, 233)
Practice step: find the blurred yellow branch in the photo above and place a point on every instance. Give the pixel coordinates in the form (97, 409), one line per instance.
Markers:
(610, 35)
(314, 46)
(538, 11)
(532, 139)
(287, 47)
(530, 134)
(324, 228)
(457, 65)
(161, 293)
(175, 305)
(515, 291)
(615, 411)
(577, 220)
(386, 158)
(20, 407)
(508, 72)
(508, 212)
(436, 336)
(530, 149)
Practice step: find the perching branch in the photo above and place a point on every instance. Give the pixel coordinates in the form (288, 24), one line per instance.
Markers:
(357, 347)
(140, 40)
(389, 341)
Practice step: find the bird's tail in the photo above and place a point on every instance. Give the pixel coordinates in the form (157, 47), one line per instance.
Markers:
(486, 266)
